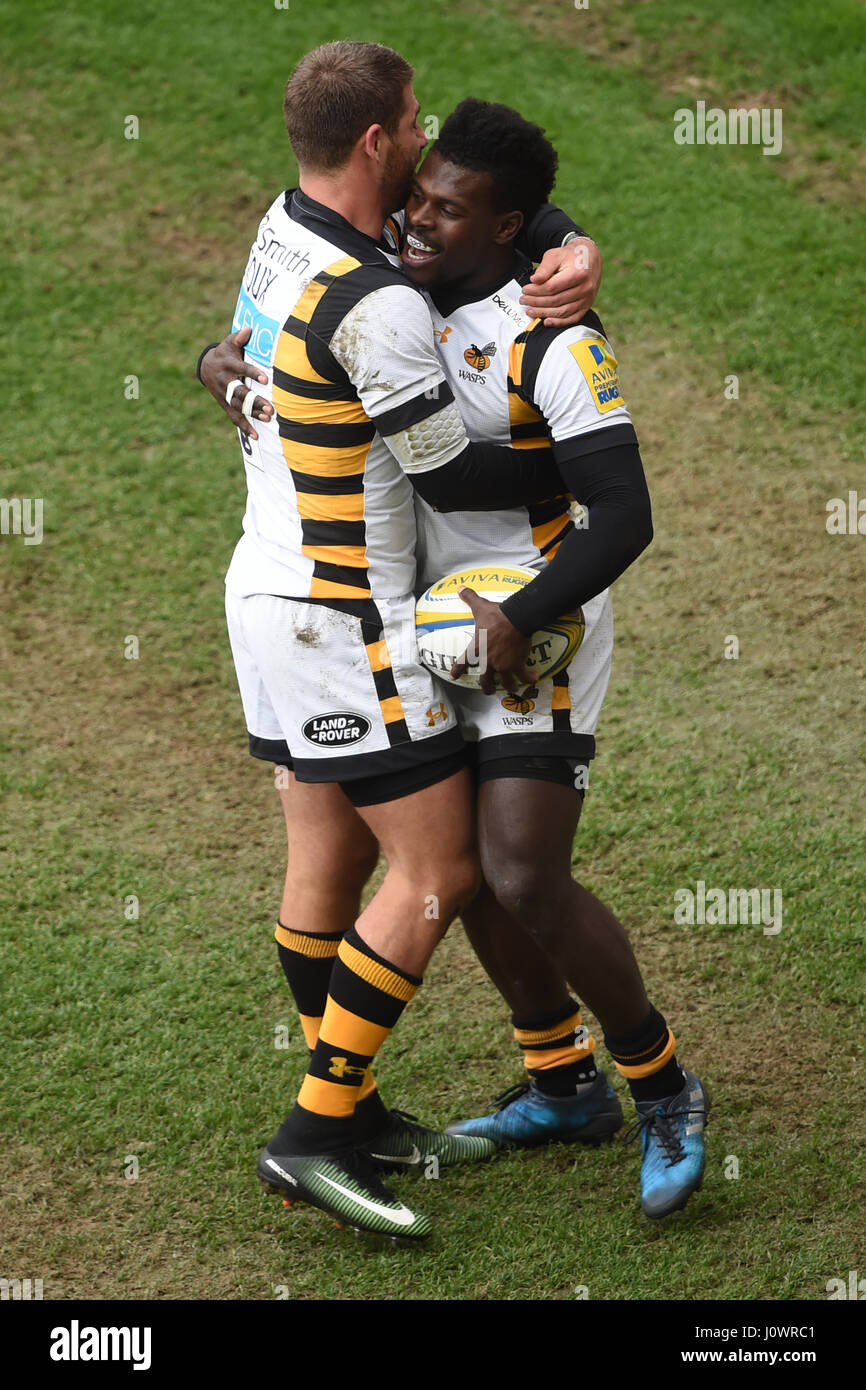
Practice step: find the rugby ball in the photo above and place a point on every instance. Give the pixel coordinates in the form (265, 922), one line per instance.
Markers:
(444, 625)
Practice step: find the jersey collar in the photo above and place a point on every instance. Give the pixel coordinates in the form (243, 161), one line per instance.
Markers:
(314, 216)
(447, 299)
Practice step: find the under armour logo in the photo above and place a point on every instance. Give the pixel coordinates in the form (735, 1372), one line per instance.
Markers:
(340, 1067)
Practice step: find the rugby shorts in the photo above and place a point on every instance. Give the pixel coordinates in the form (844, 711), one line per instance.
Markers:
(553, 720)
(340, 684)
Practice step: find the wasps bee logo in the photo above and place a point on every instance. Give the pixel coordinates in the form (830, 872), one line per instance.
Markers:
(479, 358)
(522, 703)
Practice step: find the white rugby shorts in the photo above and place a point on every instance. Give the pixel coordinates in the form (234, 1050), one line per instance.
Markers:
(338, 694)
(554, 718)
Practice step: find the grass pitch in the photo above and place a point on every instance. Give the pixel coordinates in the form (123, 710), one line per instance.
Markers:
(141, 1071)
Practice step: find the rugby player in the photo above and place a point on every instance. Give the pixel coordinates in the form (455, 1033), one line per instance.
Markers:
(532, 926)
(320, 586)
(550, 389)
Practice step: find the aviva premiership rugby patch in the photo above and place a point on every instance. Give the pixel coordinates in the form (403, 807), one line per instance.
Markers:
(598, 365)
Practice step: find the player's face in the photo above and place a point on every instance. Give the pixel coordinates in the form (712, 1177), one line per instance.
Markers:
(450, 212)
(403, 153)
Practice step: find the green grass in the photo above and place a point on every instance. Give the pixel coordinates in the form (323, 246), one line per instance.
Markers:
(155, 1037)
(782, 49)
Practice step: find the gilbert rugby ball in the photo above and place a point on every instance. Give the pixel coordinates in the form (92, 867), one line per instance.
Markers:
(444, 624)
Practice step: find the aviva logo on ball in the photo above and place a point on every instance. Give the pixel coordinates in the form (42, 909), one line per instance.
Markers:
(445, 626)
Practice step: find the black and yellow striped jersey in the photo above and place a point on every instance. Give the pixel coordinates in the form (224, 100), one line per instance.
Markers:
(515, 382)
(360, 401)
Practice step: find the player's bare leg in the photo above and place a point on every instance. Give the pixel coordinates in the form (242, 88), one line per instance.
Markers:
(527, 863)
(331, 855)
(564, 1097)
(428, 839)
(516, 964)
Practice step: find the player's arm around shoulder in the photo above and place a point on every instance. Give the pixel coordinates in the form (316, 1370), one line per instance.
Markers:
(564, 285)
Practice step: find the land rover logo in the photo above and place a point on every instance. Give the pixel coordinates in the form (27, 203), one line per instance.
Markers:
(328, 729)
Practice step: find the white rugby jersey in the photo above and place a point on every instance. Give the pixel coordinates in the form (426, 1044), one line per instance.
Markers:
(347, 346)
(515, 382)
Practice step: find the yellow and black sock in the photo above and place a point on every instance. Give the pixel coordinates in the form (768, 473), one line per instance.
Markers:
(308, 959)
(647, 1059)
(557, 1050)
(366, 996)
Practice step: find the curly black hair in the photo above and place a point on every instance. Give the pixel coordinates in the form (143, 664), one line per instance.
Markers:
(495, 140)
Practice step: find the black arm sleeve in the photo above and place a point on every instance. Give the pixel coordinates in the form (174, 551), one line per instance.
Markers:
(611, 485)
(546, 230)
(487, 477)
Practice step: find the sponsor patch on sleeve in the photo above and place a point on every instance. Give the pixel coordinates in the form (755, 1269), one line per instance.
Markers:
(598, 364)
(265, 330)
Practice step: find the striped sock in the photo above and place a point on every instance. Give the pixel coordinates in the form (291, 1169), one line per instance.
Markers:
(308, 959)
(647, 1059)
(367, 995)
(557, 1050)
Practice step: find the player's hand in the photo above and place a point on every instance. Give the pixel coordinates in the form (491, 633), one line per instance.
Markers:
(498, 645)
(226, 363)
(565, 284)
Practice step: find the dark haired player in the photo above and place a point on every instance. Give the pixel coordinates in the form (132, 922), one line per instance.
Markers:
(557, 389)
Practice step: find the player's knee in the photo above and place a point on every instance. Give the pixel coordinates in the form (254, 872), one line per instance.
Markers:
(457, 883)
(527, 891)
(329, 888)
(359, 863)
(341, 866)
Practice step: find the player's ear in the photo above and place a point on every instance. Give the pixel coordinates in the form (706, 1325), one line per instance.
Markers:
(371, 141)
(508, 227)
